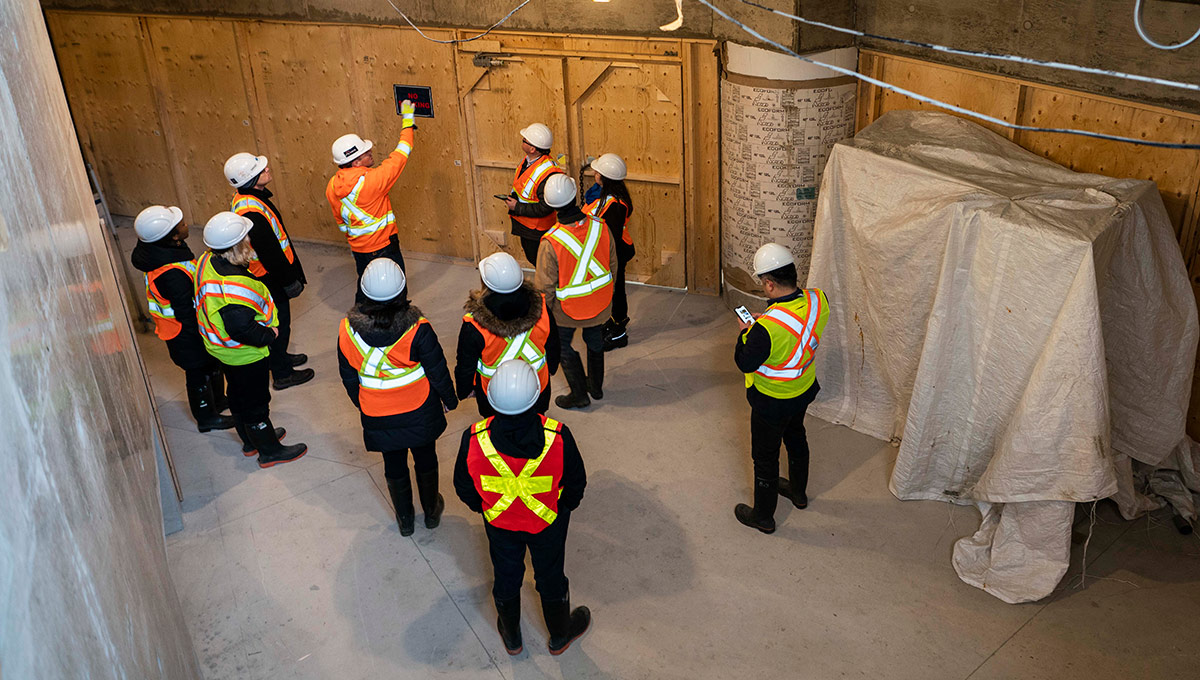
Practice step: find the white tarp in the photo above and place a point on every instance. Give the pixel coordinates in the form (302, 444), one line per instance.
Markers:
(1028, 332)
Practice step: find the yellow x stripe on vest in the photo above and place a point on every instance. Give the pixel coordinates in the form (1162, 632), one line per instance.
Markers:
(523, 486)
(517, 345)
(366, 223)
(585, 261)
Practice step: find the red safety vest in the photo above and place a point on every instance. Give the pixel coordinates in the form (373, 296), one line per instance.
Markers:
(598, 208)
(584, 285)
(165, 325)
(390, 382)
(518, 494)
(243, 204)
(530, 346)
(526, 185)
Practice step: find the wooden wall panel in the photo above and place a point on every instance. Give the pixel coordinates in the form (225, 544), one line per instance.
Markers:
(104, 71)
(702, 167)
(994, 97)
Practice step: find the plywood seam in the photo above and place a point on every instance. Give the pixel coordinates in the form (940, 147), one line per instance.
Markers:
(158, 85)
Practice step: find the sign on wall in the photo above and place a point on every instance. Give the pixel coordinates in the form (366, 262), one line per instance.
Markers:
(419, 95)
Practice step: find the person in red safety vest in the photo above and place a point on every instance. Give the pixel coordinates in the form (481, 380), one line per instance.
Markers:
(394, 371)
(531, 216)
(614, 205)
(523, 472)
(506, 320)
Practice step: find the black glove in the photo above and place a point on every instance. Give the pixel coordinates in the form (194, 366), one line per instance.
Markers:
(293, 289)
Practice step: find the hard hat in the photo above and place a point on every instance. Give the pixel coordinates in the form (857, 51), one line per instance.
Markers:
(538, 135)
(560, 190)
(348, 147)
(611, 166)
(243, 167)
(501, 273)
(770, 257)
(156, 222)
(382, 280)
(514, 388)
(226, 230)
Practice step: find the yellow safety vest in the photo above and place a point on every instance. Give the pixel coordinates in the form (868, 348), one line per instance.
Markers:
(795, 328)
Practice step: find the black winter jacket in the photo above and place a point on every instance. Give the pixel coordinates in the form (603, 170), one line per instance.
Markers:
(240, 320)
(521, 436)
(186, 349)
(280, 273)
(427, 422)
(505, 314)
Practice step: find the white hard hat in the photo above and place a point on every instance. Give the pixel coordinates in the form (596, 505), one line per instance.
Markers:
(501, 273)
(560, 190)
(538, 135)
(226, 230)
(382, 280)
(243, 167)
(156, 222)
(611, 166)
(348, 147)
(770, 257)
(514, 388)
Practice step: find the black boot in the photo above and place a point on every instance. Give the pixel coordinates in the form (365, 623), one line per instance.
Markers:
(431, 500)
(294, 378)
(565, 626)
(508, 624)
(216, 387)
(616, 334)
(200, 400)
(248, 448)
(298, 359)
(595, 374)
(270, 451)
(799, 501)
(400, 490)
(762, 515)
(578, 398)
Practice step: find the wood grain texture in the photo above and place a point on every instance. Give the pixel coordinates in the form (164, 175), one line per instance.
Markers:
(702, 168)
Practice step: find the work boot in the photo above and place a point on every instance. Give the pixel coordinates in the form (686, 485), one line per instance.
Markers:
(578, 398)
(248, 448)
(508, 623)
(270, 451)
(294, 378)
(400, 489)
(216, 386)
(431, 501)
(762, 515)
(297, 359)
(616, 334)
(799, 501)
(595, 374)
(565, 626)
(200, 401)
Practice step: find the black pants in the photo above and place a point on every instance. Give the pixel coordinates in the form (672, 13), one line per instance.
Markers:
(530, 246)
(395, 463)
(249, 391)
(773, 421)
(361, 260)
(593, 337)
(620, 308)
(281, 365)
(486, 410)
(547, 551)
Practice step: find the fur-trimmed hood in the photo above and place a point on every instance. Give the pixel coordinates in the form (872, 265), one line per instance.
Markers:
(477, 306)
(365, 326)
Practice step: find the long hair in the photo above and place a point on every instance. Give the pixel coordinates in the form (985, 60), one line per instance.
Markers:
(241, 254)
(617, 189)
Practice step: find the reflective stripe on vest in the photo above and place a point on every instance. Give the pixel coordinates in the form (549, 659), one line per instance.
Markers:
(518, 345)
(526, 183)
(226, 289)
(802, 330)
(376, 372)
(243, 204)
(165, 325)
(512, 487)
(597, 209)
(367, 223)
(585, 261)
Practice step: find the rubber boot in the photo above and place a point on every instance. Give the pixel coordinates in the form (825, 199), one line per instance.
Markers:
(799, 501)
(294, 378)
(616, 334)
(578, 398)
(565, 626)
(508, 624)
(762, 515)
(431, 501)
(216, 386)
(200, 400)
(400, 489)
(595, 374)
(248, 448)
(270, 451)
(298, 359)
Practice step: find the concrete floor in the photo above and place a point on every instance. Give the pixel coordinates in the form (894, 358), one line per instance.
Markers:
(300, 572)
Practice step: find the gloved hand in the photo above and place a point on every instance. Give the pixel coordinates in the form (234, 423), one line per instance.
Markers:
(293, 289)
(408, 111)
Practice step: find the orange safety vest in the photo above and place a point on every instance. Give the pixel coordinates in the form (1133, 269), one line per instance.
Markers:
(243, 204)
(390, 382)
(598, 208)
(518, 494)
(364, 209)
(166, 326)
(525, 187)
(530, 346)
(584, 286)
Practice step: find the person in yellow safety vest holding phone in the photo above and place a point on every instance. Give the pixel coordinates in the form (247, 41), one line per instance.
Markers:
(574, 270)
(358, 194)
(776, 354)
(531, 216)
(506, 320)
(237, 320)
(613, 205)
(275, 261)
(523, 472)
(394, 371)
(163, 254)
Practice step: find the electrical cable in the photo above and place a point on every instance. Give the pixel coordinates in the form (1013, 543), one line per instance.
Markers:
(1137, 23)
(941, 104)
(984, 55)
(491, 28)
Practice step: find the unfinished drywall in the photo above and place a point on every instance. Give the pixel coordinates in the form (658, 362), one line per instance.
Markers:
(84, 587)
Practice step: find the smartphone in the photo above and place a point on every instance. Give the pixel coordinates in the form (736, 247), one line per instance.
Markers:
(744, 314)
(502, 197)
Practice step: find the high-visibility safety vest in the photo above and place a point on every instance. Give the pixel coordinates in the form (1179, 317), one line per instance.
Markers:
(518, 494)
(526, 185)
(165, 325)
(530, 346)
(243, 204)
(389, 381)
(795, 328)
(584, 286)
(598, 207)
(364, 214)
(214, 291)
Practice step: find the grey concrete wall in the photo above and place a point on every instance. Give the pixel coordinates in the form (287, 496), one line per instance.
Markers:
(84, 589)
(1096, 33)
